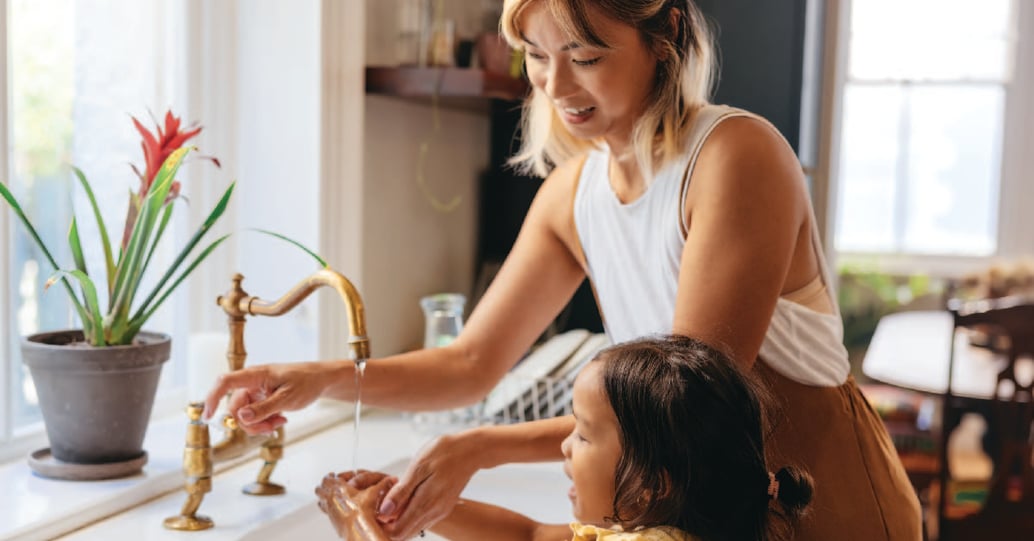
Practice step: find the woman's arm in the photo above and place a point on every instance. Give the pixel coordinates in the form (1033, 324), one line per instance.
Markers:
(477, 521)
(537, 279)
(748, 237)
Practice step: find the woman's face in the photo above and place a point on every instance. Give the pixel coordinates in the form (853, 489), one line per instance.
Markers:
(592, 450)
(596, 92)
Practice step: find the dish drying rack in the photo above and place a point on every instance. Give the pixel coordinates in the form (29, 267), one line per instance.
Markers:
(538, 387)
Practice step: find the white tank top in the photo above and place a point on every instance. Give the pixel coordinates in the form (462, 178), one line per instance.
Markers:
(633, 253)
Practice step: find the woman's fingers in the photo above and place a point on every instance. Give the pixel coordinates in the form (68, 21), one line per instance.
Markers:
(227, 382)
(428, 490)
(262, 393)
(395, 500)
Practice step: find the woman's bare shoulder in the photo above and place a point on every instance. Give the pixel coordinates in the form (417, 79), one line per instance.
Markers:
(557, 191)
(554, 204)
(746, 154)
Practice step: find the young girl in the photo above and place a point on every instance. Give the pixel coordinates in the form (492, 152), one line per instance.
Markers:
(668, 443)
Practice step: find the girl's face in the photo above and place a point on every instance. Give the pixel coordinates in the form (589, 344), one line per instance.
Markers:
(592, 450)
(596, 92)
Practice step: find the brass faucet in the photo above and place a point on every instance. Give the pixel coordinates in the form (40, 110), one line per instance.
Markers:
(198, 455)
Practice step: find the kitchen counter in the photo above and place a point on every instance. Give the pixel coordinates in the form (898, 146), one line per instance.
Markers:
(387, 441)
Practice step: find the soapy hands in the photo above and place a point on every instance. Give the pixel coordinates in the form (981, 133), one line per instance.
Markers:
(351, 499)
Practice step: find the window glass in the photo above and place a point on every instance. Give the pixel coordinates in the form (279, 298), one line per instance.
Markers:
(77, 71)
(921, 132)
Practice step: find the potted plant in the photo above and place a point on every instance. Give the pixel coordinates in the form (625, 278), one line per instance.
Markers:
(96, 385)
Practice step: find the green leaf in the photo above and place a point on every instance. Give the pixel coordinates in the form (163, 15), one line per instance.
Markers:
(161, 229)
(9, 197)
(141, 317)
(314, 255)
(109, 263)
(213, 216)
(131, 265)
(76, 247)
(96, 337)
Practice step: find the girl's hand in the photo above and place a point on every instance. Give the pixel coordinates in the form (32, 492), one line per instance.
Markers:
(351, 500)
(428, 490)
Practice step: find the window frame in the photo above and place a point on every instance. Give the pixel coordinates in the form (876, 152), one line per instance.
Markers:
(7, 402)
(16, 442)
(1015, 227)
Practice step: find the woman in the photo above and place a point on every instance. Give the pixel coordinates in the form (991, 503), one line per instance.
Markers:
(686, 217)
(638, 474)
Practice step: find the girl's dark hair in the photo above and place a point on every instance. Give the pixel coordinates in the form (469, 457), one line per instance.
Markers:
(693, 450)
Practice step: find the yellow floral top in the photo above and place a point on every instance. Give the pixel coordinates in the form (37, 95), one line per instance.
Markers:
(588, 532)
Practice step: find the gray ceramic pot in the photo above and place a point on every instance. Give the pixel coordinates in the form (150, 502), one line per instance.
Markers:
(96, 401)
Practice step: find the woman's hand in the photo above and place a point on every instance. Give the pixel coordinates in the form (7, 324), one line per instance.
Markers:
(351, 500)
(262, 393)
(429, 489)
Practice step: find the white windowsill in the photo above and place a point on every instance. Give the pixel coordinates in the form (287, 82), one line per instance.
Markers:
(38, 508)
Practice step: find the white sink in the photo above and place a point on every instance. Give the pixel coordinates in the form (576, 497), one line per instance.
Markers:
(535, 490)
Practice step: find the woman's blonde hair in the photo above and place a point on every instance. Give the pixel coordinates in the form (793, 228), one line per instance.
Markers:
(675, 30)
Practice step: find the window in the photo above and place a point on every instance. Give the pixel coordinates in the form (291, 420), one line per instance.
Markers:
(926, 98)
(76, 72)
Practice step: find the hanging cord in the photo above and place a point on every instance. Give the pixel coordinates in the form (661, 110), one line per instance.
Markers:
(436, 128)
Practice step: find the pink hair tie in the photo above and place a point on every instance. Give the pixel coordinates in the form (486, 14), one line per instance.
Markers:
(773, 486)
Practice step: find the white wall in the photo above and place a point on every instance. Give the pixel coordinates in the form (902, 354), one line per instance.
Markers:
(410, 249)
(321, 162)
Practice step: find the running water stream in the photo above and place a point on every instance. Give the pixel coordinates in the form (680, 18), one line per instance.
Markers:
(360, 369)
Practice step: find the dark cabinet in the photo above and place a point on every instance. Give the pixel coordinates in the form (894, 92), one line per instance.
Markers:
(765, 67)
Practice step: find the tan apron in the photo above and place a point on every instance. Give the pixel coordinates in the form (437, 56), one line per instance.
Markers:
(861, 489)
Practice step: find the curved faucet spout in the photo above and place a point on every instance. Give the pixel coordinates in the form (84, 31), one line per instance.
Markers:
(236, 303)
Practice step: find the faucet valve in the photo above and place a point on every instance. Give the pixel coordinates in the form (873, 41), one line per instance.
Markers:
(271, 452)
(197, 469)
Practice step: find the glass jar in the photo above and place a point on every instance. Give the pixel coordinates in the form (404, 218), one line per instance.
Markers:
(443, 313)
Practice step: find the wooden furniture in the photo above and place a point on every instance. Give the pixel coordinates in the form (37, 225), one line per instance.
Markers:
(912, 350)
(446, 82)
(1007, 511)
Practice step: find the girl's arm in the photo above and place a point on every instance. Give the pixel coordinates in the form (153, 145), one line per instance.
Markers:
(748, 239)
(477, 521)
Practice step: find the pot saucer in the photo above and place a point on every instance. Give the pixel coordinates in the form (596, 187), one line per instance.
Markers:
(45, 465)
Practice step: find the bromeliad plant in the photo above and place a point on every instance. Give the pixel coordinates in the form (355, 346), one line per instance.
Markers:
(150, 211)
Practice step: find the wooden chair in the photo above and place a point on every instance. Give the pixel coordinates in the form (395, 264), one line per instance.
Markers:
(1007, 511)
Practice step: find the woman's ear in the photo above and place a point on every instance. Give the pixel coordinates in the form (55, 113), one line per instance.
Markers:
(674, 20)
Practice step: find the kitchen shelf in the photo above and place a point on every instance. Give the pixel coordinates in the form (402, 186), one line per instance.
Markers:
(450, 84)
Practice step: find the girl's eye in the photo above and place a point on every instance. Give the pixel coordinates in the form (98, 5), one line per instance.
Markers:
(534, 56)
(588, 62)
(580, 437)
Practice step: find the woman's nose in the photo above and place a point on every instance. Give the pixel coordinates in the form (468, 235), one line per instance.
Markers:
(558, 83)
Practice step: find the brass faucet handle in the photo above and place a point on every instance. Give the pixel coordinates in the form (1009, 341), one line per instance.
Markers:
(195, 410)
(197, 473)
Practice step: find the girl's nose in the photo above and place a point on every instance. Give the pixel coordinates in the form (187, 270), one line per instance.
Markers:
(565, 446)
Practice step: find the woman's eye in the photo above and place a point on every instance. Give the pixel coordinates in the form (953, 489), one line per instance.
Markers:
(588, 62)
(535, 56)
